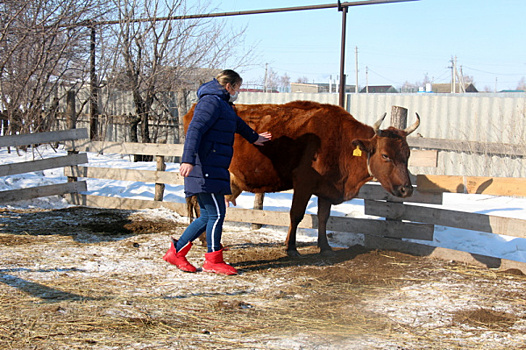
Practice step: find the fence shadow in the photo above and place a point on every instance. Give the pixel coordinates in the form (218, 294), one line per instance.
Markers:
(38, 290)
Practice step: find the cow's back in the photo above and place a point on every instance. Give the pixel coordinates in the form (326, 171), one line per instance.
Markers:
(301, 131)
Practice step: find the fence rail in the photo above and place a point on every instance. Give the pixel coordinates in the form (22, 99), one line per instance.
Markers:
(42, 164)
(487, 131)
(379, 233)
(490, 148)
(378, 202)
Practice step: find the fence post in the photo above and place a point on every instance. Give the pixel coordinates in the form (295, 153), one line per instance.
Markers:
(399, 117)
(71, 121)
(258, 205)
(159, 188)
(398, 120)
(71, 114)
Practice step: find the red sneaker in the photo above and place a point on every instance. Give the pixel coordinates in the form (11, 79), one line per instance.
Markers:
(214, 263)
(178, 258)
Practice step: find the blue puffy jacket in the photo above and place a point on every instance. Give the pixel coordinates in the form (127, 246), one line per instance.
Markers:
(210, 139)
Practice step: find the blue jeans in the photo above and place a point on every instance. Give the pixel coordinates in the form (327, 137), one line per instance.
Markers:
(213, 209)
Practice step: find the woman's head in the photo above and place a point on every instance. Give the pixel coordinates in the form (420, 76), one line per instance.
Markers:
(228, 76)
(231, 81)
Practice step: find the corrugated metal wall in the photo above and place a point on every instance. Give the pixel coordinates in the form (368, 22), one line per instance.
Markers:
(470, 117)
(473, 117)
(114, 108)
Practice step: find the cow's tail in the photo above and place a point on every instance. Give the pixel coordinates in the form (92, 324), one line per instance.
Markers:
(192, 208)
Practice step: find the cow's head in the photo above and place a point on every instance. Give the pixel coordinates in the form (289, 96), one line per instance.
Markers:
(387, 157)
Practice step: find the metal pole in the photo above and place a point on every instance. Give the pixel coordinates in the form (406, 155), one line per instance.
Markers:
(356, 68)
(255, 12)
(93, 87)
(341, 7)
(342, 57)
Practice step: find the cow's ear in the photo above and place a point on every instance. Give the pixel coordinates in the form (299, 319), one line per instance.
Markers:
(364, 145)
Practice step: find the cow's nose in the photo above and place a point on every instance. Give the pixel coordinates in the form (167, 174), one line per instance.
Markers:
(405, 191)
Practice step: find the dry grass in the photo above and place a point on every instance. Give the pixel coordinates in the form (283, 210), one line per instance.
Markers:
(99, 287)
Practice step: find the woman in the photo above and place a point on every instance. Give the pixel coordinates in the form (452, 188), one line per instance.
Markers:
(207, 154)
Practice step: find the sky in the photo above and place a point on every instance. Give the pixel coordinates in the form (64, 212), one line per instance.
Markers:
(396, 42)
(447, 237)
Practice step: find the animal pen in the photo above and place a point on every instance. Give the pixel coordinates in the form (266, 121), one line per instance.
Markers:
(402, 219)
(61, 290)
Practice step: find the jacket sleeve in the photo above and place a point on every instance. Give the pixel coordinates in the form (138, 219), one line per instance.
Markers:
(205, 114)
(246, 131)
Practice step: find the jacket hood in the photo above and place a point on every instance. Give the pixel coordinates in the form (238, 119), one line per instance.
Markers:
(213, 88)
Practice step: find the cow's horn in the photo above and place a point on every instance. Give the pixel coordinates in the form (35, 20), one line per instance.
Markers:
(414, 126)
(376, 125)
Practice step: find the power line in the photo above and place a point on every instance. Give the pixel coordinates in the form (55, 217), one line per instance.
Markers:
(482, 71)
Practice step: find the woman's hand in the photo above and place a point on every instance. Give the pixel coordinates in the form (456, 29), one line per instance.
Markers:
(185, 169)
(263, 137)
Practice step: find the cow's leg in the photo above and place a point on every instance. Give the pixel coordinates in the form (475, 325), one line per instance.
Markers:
(236, 190)
(324, 212)
(300, 199)
(304, 181)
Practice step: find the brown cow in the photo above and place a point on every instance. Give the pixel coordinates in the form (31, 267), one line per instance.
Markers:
(316, 149)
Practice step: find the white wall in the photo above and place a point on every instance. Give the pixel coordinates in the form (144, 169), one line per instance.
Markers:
(469, 117)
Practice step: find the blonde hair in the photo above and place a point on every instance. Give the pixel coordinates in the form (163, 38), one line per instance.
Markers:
(229, 76)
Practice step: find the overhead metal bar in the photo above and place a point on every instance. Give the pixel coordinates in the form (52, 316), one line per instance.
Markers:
(340, 6)
(254, 12)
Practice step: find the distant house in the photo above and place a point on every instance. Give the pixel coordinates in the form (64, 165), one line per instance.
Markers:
(258, 90)
(306, 88)
(446, 88)
(326, 87)
(318, 88)
(379, 89)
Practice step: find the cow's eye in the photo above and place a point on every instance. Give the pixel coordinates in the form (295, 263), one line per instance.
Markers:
(385, 157)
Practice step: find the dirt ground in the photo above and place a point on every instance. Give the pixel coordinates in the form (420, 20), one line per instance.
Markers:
(81, 278)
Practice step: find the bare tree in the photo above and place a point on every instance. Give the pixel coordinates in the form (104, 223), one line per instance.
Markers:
(522, 84)
(274, 82)
(302, 80)
(284, 82)
(41, 46)
(271, 80)
(157, 55)
(408, 87)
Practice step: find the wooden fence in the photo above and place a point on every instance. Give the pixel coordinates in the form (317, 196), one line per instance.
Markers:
(71, 159)
(405, 219)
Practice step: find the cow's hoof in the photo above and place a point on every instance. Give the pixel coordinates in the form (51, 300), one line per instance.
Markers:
(329, 253)
(293, 253)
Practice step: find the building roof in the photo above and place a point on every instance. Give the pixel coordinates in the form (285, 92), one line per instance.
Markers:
(446, 88)
(318, 87)
(379, 89)
(300, 87)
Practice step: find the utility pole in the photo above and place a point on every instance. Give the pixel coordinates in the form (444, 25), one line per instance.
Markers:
(266, 83)
(453, 75)
(461, 81)
(366, 79)
(356, 68)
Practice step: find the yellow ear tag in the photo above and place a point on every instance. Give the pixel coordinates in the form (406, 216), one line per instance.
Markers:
(357, 152)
